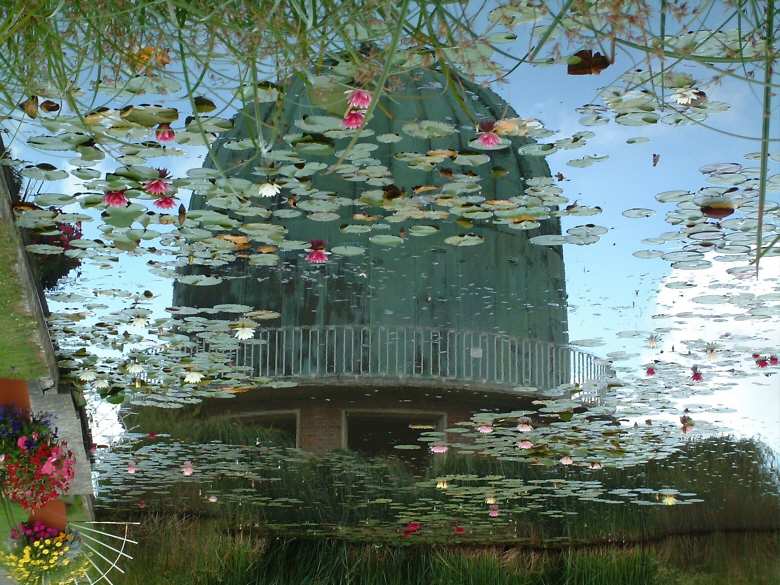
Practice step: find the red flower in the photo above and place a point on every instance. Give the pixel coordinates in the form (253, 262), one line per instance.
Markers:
(412, 528)
(762, 363)
(353, 120)
(773, 360)
(359, 98)
(317, 257)
(697, 376)
(115, 199)
(650, 371)
(489, 139)
(165, 202)
(164, 133)
(458, 530)
(157, 186)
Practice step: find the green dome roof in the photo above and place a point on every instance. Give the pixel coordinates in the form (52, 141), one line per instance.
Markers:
(398, 276)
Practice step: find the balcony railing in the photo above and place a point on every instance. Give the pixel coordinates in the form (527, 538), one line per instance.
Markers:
(350, 352)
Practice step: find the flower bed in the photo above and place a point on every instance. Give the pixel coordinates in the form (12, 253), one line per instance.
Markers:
(36, 554)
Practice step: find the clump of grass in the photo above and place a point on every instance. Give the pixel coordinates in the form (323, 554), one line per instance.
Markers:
(20, 356)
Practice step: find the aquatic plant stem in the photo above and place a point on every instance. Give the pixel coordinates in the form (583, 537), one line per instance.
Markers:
(379, 86)
(767, 110)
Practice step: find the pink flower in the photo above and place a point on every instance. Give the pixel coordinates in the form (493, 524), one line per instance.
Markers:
(21, 442)
(187, 469)
(489, 139)
(115, 199)
(165, 202)
(48, 467)
(131, 468)
(485, 429)
(359, 98)
(353, 120)
(566, 460)
(157, 186)
(493, 511)
(524, 428)
(439, 449)
(525, 445)
(773, 360)
(317, 256)
(164, 133)
(650, 371)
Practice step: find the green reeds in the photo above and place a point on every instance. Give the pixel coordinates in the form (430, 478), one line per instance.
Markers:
(179, 552)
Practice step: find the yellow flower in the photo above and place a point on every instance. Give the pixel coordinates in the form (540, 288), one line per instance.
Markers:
(36, 544)
(66, 562)
(58, 544)
(46, 551)
(47, 541)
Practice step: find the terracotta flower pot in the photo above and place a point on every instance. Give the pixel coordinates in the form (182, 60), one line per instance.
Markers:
(15, 393)
(53, 514)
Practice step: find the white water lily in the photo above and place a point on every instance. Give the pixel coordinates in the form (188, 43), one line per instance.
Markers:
(135, 368)
(268, 190)
(139, 321)
(244, 333)
(688, 96)
(193, 378)
(87, 375)
(101, 384)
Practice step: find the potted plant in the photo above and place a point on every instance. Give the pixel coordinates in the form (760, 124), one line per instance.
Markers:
(35, 468)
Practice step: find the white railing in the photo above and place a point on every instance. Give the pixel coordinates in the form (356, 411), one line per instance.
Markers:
(411, 353)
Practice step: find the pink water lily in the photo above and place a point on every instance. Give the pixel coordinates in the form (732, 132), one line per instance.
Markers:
(493, 511)
(115, 199)
(485, 429)
(525, 445)
(359, 98)
(166, 202)
(353, 120)
(131, 468)
(489, 139)
(164, 133)
(439, 449)
(317, 256)
(187, 469)
(157, 186)
(566, 460)
(524, 428)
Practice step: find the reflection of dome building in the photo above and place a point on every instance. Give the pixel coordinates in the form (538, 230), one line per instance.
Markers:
(413, 309)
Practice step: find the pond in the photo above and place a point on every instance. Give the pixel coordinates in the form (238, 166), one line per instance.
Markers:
(425, 292)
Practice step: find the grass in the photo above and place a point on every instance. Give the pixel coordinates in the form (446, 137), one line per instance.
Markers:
(167, 547)
(20, 356)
